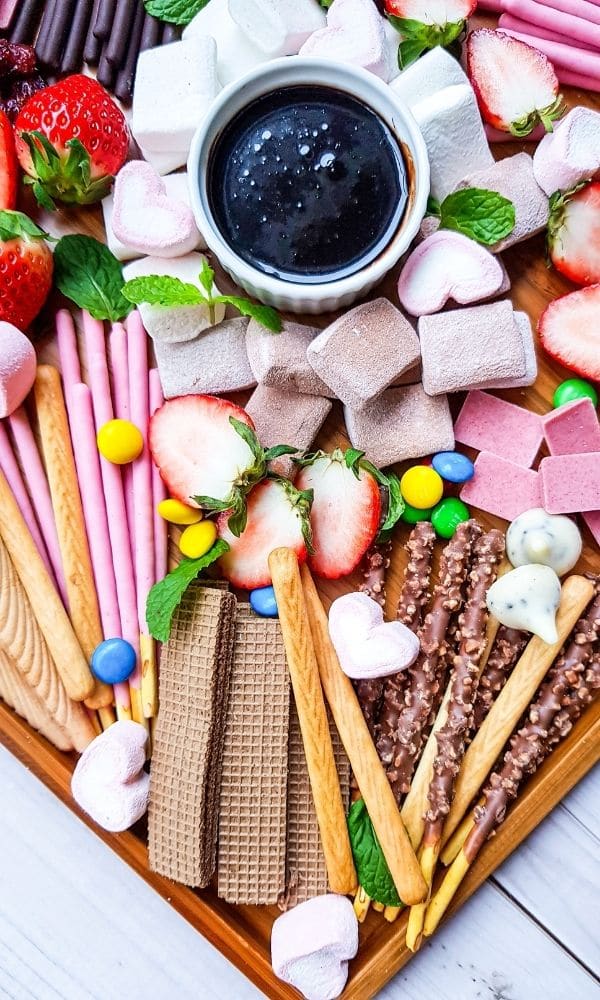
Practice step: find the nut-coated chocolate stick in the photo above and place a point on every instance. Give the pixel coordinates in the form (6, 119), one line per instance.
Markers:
(368, 771)
(312, 715)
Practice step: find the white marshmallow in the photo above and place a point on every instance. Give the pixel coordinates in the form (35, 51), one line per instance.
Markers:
(174, 324)
(392, 44)
(164, 163)
(236, 55)
(277, 27)
(176, 186)
(354, 34)
(174, 87)
(454, 136)
(570, 154)
(434, 71)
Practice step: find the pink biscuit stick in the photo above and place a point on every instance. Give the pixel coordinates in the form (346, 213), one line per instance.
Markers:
(137, 347)
(573, 428)
(501, 487)
(7, 9)
(120, 384)
(588, 10)
(159, 490)
(37, 483)
(571, 483)
(528, 28)
(10, 468)
(67, 349)
(577, 60)
(578, 80)
(575, 28)
(112, 484)
(87, 460)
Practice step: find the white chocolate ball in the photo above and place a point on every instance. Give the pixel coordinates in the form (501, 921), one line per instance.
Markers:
(527, 598)
(547, 539)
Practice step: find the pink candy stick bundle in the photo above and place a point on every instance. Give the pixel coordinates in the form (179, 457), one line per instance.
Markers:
(142, 480)
(10, 468)
(113, 489)
(122, 410)
(576, 29)
(35, 476)
(566, 56)
(159, 490)
(526, 28)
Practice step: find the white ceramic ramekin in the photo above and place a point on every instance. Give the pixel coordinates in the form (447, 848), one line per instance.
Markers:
(291, 71)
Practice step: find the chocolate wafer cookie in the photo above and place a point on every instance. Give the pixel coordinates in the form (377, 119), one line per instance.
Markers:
(188, 740)
(252, 813)
(306, 871)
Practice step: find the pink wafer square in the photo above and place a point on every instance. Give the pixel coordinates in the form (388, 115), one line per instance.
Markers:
(592, 519)
(571, 483)
(572, 429)
(501, 487)
(491, 424)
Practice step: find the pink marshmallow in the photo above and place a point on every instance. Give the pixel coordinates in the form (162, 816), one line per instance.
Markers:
(571, 153)
(354, 34)
(146, 219)
(109, 782)
(494, 425)
(17, 367)
(571, 483)
(572, 429)
(366, 645)
(312, 944)
(500, 487)
(446, 266)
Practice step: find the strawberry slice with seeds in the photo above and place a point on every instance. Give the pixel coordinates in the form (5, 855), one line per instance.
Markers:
(515, 85)
(346, 510)
(278, 515)
(8, 164)
(574, 233)
(423, 24)
(26, 268)
(569, 330)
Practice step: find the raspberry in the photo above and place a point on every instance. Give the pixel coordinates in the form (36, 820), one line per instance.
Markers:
(15, 59)
(19, 92)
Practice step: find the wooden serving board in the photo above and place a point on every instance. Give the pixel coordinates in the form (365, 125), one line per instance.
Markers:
(242, 933)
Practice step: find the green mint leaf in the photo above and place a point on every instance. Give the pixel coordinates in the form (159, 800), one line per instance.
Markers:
(482, 215)
(278, 450)
(91, 276)
(175, 11)
(264, 315)
(207, 278)
(165, 596)
(162, 290)
(395, 507)
(14, 225)
(371, 866)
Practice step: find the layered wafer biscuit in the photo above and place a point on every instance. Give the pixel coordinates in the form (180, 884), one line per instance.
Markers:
(306, 870)
(188, 739)
(252, 811)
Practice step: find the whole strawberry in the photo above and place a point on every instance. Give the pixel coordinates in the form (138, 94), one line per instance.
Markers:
(26, 267)
(71, 141)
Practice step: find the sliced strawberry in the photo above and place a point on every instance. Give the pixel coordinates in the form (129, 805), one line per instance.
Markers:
(423, 24)
(345, 514)
(515, 84)
(574, 234)
(277, 516)
(205, 459)
(8, 164)
(26, 267)
(569, 330)
(431, 11)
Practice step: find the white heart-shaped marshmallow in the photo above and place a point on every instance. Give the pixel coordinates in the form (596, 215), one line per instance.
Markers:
(146, 219)
(366, 645)
(447, 265)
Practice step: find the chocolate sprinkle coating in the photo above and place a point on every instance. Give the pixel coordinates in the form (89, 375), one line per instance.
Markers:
(374, 567)
(507, 648)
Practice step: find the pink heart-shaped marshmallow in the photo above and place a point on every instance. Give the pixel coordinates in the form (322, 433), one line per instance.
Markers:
(109, 782)
(145, 219)
(367, 646)
(354, 34)
(447, 265)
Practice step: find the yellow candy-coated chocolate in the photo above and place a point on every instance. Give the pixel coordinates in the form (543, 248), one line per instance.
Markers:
(177, 512)
(120, 442)
(422, 487)
(196, 540)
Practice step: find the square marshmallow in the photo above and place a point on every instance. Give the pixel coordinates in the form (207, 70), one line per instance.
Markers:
(285, 417)
(495, 425)
(402, 423)
(453, 131)
(502, 488)
(572, 429)
(280, 361)
(174, 87)
(434, 71)
(236, 55)
(214, 362)
(277, 27)
(364, 351)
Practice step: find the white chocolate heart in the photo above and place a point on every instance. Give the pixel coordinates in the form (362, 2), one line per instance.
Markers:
(367, 646)
(549, 539)
(354, 34)
(146, 219)
(109, 782)
(527, 598)
(447, 265)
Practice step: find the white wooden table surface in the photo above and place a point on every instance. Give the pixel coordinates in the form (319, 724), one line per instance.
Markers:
(77, 923)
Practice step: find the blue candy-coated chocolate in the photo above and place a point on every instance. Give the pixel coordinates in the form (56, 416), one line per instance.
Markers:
(113, 661)
(453, 466)
(262, 600)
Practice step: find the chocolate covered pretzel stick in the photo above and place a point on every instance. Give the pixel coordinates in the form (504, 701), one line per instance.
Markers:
(451, 737)
(509, 645)
(572, 684)
(23, 25)
(374, 567)
(72, 55)
(424, 682)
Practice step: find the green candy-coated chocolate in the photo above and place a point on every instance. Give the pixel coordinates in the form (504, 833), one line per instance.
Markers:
(413, 514)
(447, 515)
(572, 389)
